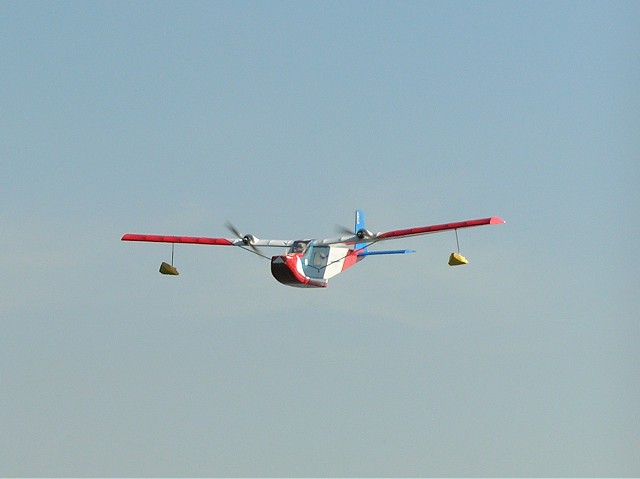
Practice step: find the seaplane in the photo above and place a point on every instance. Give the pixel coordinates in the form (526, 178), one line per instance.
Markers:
(310, 263)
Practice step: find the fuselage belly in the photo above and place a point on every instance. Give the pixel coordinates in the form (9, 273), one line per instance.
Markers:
(309, 266)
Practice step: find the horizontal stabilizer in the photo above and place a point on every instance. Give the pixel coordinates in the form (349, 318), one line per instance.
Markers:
(393, 251)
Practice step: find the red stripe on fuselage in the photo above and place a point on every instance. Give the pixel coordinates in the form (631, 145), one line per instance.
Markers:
(350, 259)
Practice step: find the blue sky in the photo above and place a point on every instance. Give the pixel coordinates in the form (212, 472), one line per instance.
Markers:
(284, 117)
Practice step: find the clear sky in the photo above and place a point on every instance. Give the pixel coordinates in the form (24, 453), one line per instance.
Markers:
(284, 117)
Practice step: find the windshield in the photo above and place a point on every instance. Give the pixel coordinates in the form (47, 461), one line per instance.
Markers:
(299, 247)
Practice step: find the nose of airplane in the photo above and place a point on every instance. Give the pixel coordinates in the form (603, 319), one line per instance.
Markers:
(286, 269)
(278, 259)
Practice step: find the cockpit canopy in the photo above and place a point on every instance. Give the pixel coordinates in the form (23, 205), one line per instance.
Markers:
(299, 247)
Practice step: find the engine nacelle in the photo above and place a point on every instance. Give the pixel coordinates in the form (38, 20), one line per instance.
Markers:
(248, 239)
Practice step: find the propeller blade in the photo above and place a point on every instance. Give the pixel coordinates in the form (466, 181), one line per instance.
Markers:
(343, 230)
(233, 229)
(246, 239)
(362, 234)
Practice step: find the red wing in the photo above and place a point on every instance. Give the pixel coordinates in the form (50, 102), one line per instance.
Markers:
(208, 241)
(422, 230)
(178, 239)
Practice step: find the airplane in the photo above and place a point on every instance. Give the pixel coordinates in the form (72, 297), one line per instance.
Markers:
(310, 263)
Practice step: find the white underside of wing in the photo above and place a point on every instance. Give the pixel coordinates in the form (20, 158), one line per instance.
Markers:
(269, 243)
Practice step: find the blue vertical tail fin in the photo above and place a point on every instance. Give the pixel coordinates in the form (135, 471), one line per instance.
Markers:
(362, 233)
(359, 226)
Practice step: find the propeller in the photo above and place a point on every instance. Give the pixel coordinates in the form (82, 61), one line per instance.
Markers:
(361, 234)
(247, 239)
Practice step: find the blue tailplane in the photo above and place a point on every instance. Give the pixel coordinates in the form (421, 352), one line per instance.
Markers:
(393, 251)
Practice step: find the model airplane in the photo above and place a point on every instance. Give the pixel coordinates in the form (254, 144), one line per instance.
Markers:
(310, 263)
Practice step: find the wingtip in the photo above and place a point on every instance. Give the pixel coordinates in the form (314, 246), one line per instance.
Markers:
(496, 220)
